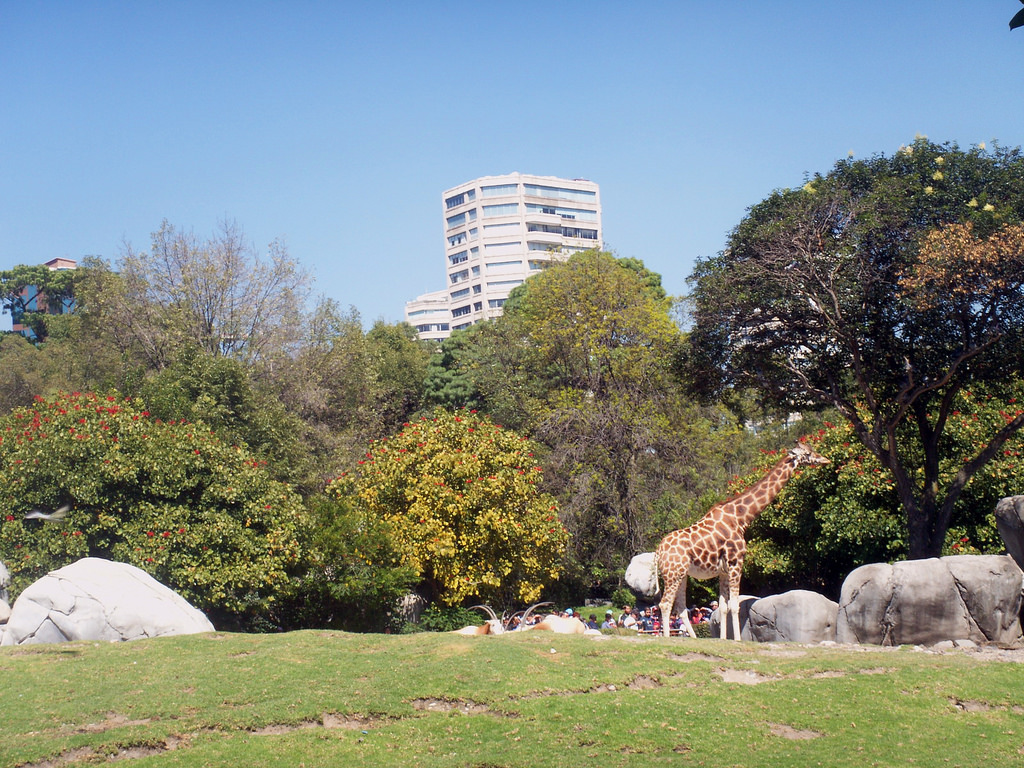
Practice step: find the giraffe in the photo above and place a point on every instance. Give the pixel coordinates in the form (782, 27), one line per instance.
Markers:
(715, 545)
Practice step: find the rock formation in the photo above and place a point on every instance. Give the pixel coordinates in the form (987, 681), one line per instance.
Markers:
(95, 599)
(798, 616)
(923, 602)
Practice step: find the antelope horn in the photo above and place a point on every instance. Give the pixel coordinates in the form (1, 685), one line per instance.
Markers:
(488, 609)
(529, 610)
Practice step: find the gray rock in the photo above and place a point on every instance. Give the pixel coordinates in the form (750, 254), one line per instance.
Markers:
(5, 611)
(715, 621)
(964, 597)
(798, 616)
(95, 599)
(411, 606)
(1010, 522)
(641, 576)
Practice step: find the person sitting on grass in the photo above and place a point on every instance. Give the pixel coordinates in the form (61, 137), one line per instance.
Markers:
(609, 621)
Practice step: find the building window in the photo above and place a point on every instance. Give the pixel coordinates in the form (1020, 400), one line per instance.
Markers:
(476, 271)
(458, 258)
(460, 294)
(460, 327)
(490, 230)
(561, 193)
(503, 249)
(457, 239)
(505, 209)
(461, 311)
(478, 306)
(458, 277)
(499, 190)
(472, 214)
(505, 267)
(496, 303)
(474, 252)
(585, 234)
(503, 283)
(455, 200)
(565, 213)
(476, 289)
(534, 264)
(473, 233)
(456, 220)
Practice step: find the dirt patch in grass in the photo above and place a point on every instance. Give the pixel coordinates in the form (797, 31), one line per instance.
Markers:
(90, 756)
(973, 705)
(789, 732)
(743, 676)
(643, 683)
(112, 720)
(688, 657)
(467, 707)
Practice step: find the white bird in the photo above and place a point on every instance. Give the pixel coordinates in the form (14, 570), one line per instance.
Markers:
(58, 514)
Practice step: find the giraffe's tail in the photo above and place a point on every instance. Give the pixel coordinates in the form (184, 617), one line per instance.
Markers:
(657, 573)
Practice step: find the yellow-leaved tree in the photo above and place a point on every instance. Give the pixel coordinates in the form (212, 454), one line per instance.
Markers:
(460, 493)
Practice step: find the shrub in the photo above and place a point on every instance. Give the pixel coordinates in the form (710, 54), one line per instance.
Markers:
(199, 515)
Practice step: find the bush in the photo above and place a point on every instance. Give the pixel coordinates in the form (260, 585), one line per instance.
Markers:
(459, 494)
(201, 516)
(447, 618)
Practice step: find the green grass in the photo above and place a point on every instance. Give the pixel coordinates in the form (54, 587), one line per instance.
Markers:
(533, 700)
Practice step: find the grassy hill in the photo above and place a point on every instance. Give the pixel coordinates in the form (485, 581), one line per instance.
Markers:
(322, 698)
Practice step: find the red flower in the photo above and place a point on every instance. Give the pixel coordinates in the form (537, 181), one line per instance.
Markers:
(9, 518)
(150, 534)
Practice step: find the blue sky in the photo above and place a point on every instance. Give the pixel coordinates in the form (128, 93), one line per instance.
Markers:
(336, 126)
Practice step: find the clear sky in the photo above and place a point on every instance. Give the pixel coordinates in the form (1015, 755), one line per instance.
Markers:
(335, 126)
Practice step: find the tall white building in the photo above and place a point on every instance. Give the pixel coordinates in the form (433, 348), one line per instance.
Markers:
(498, 231)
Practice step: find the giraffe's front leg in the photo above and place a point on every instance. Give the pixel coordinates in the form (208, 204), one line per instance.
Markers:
(734, 599)
(668, 601)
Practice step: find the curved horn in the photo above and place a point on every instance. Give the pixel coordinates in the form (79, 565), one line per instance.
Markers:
(488, 609)
(529, 610)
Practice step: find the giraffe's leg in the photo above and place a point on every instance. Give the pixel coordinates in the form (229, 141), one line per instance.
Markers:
(734, 599)
(686, 610)
(723, 606)
(668, 600)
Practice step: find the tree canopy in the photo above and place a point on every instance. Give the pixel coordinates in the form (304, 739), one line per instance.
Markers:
(884, 289)
(460, 494)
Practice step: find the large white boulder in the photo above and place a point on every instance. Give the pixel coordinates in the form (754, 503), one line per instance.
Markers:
(95, 599)
(924, 602)
(641, 576)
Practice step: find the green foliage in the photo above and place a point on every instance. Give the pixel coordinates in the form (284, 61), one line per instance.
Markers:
(220, 392)
(460, 494)
(448, 618)
(355, 575)
(827, 522)
(622, 596)
(883, 290)
(200, 515)
(56, 285)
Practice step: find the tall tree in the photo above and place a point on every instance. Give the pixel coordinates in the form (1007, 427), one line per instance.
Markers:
(219, 293)
(582, 360)
(884, 289)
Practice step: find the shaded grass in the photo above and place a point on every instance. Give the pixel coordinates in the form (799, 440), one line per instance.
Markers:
(534, 700)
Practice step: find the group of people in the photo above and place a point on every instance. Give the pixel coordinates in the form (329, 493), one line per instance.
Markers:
(646, 620)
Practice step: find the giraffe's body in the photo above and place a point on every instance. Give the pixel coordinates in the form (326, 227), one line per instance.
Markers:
(715, 544)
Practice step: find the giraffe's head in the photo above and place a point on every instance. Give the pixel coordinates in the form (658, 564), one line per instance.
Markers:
(804, 455)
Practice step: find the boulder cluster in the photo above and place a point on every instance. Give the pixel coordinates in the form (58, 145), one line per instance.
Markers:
(959, 599)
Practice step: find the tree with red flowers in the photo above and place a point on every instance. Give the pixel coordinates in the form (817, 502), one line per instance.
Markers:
(202, 516)
(460, 494)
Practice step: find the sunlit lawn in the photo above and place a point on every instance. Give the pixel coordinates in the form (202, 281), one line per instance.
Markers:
(329, 698)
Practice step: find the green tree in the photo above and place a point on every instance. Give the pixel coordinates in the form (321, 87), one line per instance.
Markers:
(55, 287)
(460, 494)
(883, 289)
(582, 359)
(202, 516)
(847, 514)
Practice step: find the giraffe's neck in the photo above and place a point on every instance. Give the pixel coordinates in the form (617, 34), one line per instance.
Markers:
(749, 505)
